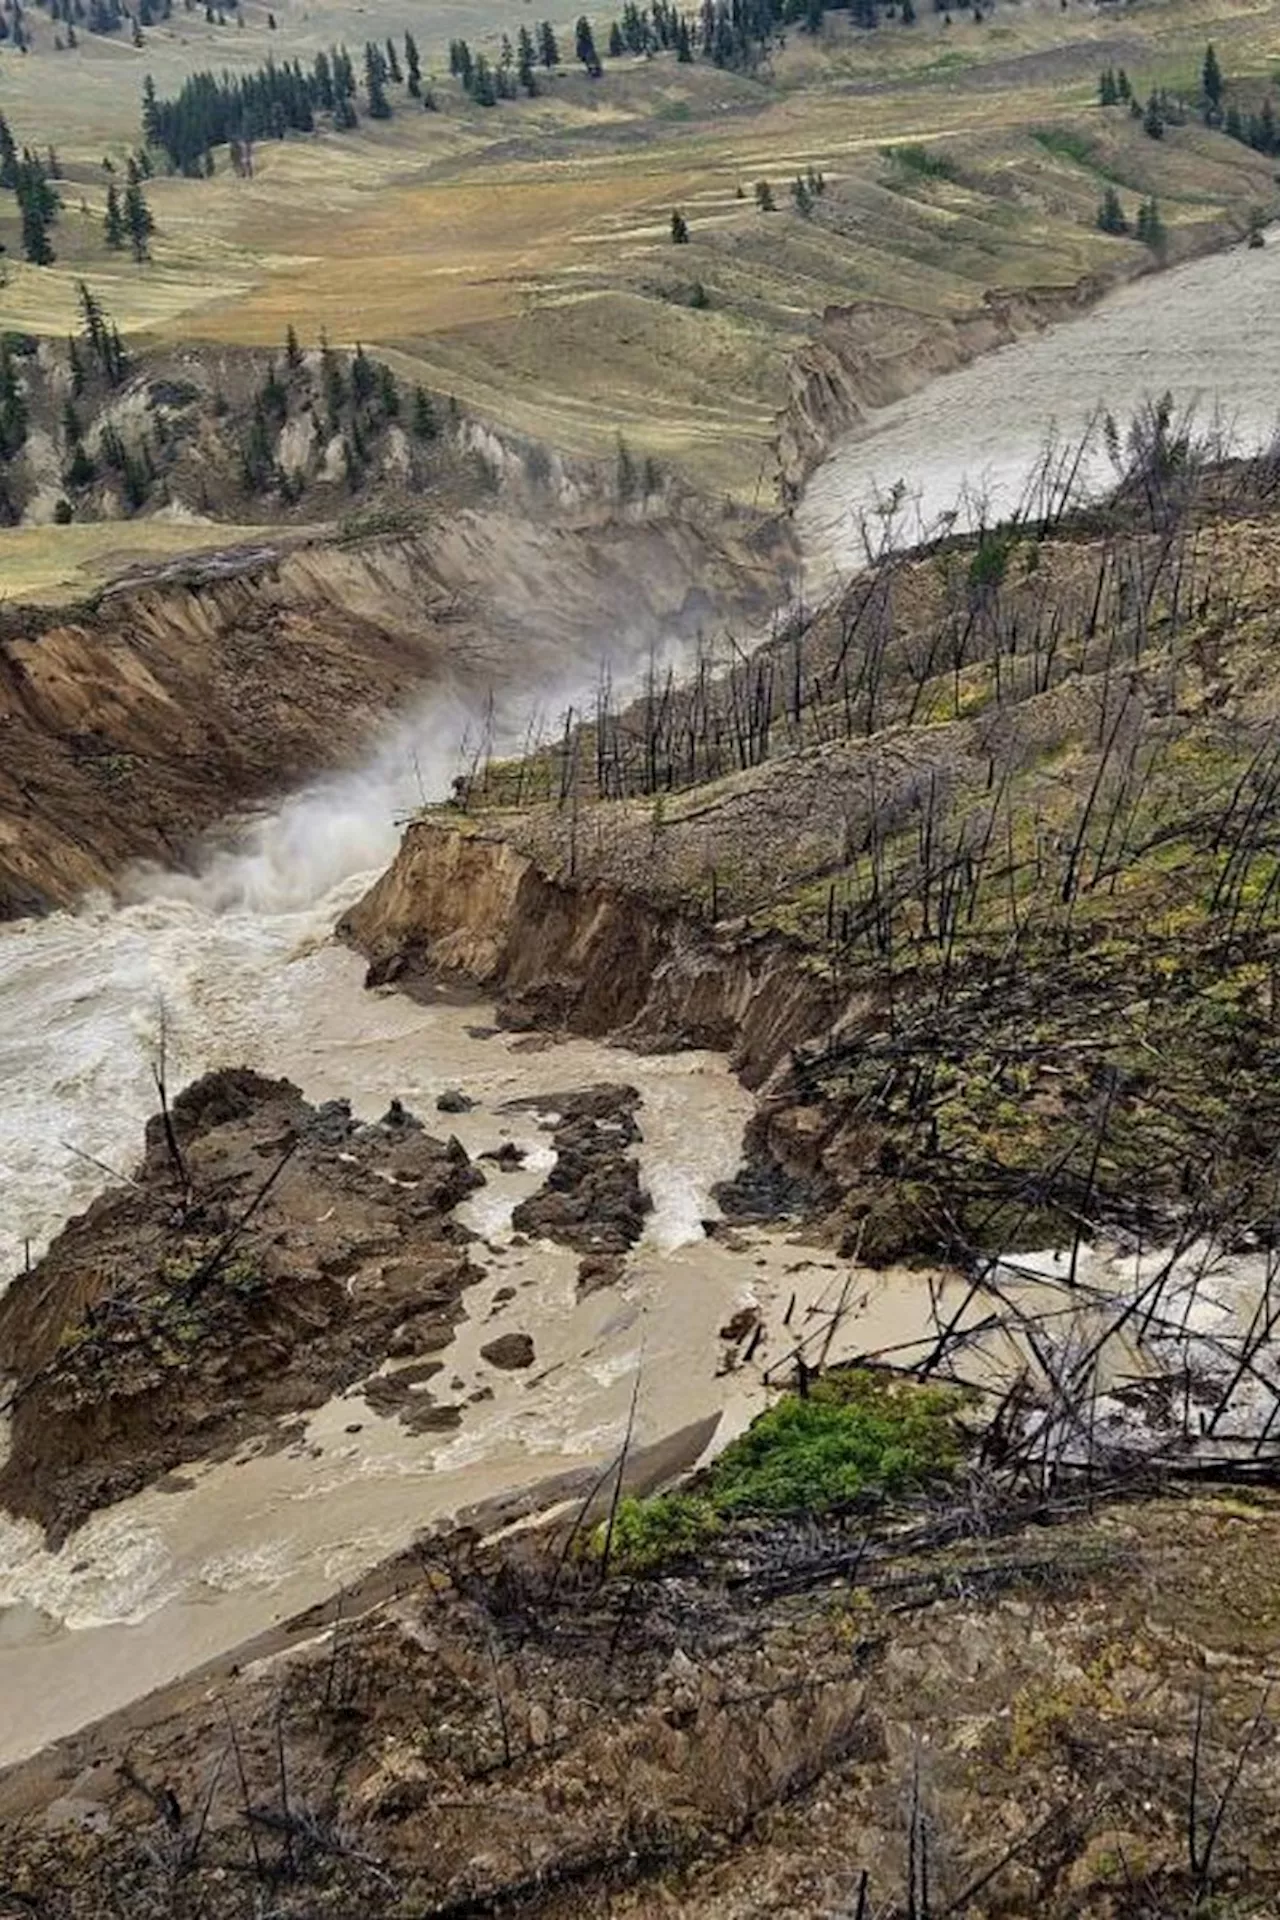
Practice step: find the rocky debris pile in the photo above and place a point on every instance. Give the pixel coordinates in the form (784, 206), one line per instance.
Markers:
(592, 1199)
(266, 1255)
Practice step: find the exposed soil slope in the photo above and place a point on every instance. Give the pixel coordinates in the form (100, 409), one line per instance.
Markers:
(128, 728)
(260, 1261)
(976, 875)
(1011, 1702)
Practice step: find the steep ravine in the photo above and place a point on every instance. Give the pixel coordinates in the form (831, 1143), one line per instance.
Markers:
(130, 727)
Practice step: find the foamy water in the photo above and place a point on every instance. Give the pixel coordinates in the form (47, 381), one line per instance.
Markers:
(236, 962)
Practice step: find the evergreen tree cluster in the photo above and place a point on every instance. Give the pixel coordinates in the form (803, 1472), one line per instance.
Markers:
(515, 70)
(1257, 128)
(353, 400)
(278, 98)
(30, 181)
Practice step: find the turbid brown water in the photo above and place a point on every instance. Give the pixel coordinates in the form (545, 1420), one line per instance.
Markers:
(240, 962)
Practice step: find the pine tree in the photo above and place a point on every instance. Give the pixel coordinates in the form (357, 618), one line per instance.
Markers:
(1212, 78)
(617, 46)
(363, 377)
(548, 51)
(424, 417)
(375, 83)
(764, 197)
(684, 45)
(138, 221)
(412, 67)
(1123, 88)
(679, 228)
(1111, 214)
(483, 91)
(292, 351)
(113, 224)
(8, 157)
(1150, 227)
(525, 59)
(1152, 120)
(1108, 93)
(803, 198)
(585, 48)
(393, 63)
(388, 392)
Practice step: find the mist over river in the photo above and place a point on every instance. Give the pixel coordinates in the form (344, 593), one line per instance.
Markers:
(239, 959)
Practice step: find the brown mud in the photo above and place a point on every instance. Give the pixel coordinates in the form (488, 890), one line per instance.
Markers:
(265, 1256)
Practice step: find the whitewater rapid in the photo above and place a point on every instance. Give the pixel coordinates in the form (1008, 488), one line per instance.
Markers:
(236, 962)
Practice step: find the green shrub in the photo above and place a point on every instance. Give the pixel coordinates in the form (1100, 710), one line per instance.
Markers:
(926, 165)
(856, 1433)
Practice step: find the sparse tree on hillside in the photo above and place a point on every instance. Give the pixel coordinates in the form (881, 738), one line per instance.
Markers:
(375, 83)
(764, 197)
(548, 50)
(113, 223)
(8, 157)
(585, 48)
(1212, 78)
(526, 58)
(138, 221)
(424, 418)
(1111, 214)
(393, 62)
(1153, 119)
(412, 67)
(679, 228)
(292, 351)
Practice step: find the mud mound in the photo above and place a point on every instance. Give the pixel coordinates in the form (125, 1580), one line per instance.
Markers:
(263, 1258)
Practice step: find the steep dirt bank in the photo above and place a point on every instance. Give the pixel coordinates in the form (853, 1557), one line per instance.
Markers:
(868, 355)
(129, 727)
(463, 903)
(266, 1255)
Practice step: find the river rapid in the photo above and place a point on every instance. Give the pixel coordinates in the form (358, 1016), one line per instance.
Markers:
(237, 964)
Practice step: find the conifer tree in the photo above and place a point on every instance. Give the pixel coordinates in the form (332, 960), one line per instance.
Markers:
(1111, 214)
(138, 221)
(585, 48)
(483, 91)
(764, 197)
(684, 44)
(375, 83)
(679, 229)
(292, 351)
(548, 51)
(113, 224)
(424, 418)
(8, 157)
(1152, 119)
(617, 46)
(412, 67)
(1212, 78)
(525, 58)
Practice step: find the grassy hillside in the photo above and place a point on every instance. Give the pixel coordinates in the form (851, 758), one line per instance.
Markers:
(521, 256)
(1009, 809)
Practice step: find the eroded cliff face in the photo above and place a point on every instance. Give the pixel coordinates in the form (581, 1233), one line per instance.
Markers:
(463, 903)
(128, 728)
(868, 356)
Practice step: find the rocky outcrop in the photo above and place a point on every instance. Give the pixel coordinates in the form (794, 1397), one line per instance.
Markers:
(267, 1255)
(592, 1199)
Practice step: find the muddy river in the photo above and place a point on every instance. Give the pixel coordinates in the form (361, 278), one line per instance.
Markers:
(239, 964)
